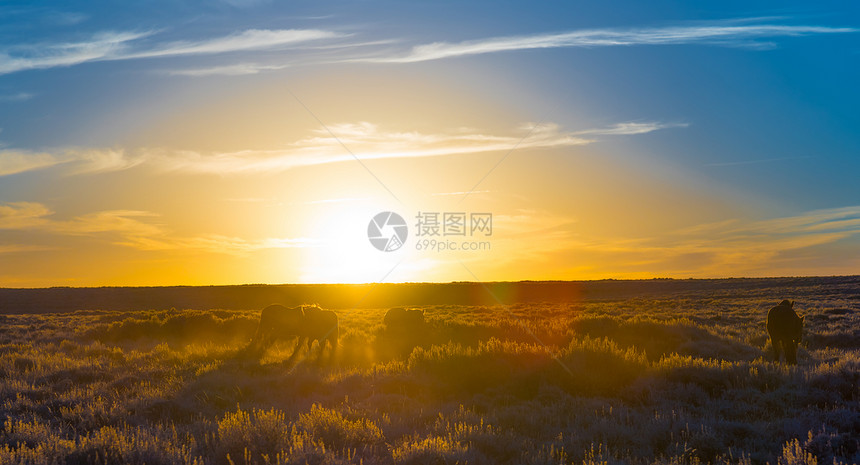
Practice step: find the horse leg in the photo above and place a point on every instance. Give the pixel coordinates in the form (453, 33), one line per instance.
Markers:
(260, 344)
(333, 351)
(790, 352)
(255, 340)
(775, 345)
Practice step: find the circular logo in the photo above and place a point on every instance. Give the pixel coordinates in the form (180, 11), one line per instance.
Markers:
(387, 231)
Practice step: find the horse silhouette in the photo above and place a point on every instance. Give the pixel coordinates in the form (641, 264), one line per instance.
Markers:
(404, 330)
(785, 328)
(277, 322)
(400, 318)
(307, 323)
(319, 325)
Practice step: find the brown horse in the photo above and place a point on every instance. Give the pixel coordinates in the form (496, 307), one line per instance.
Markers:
(404, 330)
(277, 322)
(401, 318)
(319, 325)
(785, 329)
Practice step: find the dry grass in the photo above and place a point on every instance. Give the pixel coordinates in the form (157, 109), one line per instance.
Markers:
(681, 380)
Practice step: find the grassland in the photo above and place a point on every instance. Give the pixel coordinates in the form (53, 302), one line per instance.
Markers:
(684, 378)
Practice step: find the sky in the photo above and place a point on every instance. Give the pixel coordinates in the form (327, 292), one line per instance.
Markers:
(253, 141)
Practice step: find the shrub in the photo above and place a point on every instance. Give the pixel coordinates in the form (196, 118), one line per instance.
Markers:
(257, 433)
(435, 451)
(340, 434)
(185, 327)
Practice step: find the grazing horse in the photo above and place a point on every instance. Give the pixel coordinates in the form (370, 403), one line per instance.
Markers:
(319, 325)
(404, 330)
(785, 329)
(278, 322)
(401, 318)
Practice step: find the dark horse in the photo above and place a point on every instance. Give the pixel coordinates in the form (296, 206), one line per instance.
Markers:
(401, 318)
(404, 330)
(320, 325)
(785, 329)
(278, 322)
(307, 323)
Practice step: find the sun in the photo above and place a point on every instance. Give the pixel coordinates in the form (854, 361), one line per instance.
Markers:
(343, 252)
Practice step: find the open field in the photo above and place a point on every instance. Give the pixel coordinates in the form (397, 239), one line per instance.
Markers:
(659, 378)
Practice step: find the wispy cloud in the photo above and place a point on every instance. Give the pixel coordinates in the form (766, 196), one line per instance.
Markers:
(245, 3)
(129, 228)
(252, 39)
(754, 245)
(756, 162)
(833, 220)
(249, 67)
(747, 35)
(250, 199)
(17, 248)
(79, 160)
(238, 69)
(17, 97)
(127, 45)
(38, 56)
(460, 193)
(99, 161)
(19, 161)
(112, 46)
(337, 200)
(65, 18)
(215, 243)
(37, 216)
(733, 247)
(366, 140)
(22, 215)
(627, 129)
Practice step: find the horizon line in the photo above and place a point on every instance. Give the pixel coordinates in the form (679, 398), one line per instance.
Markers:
(522, 281)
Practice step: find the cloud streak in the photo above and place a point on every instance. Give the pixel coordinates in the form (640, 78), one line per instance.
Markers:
(458, 193)
(113, 46)
(17, 97)
(18, 248)
(758, 36)
(238, 69)
(756, 162)
(252, 39)
(741, 246)
(629, 129)
(733, 247)
(37, 216)
(19, 161)
(128, 45)
(102, 46)
(216, 243)
(366, 140)
(833, 220)
(128, 228)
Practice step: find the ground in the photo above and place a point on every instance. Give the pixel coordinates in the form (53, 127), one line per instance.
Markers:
(682, 378)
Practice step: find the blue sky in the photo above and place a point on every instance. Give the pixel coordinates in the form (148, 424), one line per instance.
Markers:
(750, 105)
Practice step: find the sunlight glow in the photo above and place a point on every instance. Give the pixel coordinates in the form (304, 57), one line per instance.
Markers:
(345, 254)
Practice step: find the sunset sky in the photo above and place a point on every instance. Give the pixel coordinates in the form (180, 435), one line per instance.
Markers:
(243, 141)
